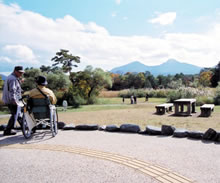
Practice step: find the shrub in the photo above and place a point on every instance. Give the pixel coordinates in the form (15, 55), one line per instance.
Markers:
(202, 95)
(72, 99)
(200, 100)
(173, 95)
(217, 95)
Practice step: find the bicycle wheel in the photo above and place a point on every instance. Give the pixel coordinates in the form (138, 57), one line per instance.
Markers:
(53, 123)
(25, 129)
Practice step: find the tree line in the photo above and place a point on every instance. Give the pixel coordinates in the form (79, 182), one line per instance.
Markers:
(208, 77)
(83, 87)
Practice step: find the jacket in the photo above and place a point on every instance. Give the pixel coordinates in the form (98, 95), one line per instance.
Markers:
(35, 93)
(12, 90)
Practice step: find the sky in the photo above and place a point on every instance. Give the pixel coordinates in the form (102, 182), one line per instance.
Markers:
(110, 33)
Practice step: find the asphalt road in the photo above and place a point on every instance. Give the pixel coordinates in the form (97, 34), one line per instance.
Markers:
(97, 156)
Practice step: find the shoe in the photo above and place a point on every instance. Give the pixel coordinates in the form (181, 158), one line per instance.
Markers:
(11, 132)
(33, 130)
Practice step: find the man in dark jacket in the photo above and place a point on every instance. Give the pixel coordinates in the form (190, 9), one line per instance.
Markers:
(11, 96)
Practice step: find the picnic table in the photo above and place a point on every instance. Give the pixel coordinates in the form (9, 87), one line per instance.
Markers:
(206, 110)
(179, 107)
(162, 108)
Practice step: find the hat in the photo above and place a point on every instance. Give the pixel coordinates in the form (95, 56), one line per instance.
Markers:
(41, 80)
(19, 69)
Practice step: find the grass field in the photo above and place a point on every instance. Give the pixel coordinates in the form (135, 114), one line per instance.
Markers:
(113, 111)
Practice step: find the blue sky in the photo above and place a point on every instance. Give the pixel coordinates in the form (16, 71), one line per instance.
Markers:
(110, 33)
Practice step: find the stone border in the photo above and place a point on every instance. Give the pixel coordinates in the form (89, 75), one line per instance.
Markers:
(159, 173)
(165, 130)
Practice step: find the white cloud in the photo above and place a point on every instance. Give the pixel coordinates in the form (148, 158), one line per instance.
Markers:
(20, 53)
(31, 37)
(118, 1)
(5, 59)
(164, 19)
(114, 14)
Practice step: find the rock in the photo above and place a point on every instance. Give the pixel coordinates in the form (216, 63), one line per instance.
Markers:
(112, 128)
(60, 125)
(2, 127)
(102, 128)
(86, 127)
(210, 134)
(152, 130)
(217, 137)
(195, 134)
(131, 128)
(167, 130)
(142, 132)
(69, 127)
(180, 133)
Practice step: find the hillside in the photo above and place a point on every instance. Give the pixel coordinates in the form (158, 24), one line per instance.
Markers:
(3, 77)
(171, 67)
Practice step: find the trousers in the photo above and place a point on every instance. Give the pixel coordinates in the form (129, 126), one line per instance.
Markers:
(11, 122)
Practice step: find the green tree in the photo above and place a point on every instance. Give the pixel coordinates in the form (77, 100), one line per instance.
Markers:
(58, 81)
(1, 83)
(30, 76)
(90, 82)
(129, 79)
(216, 75)
(66, 59)
(139, 80)
(217, 95)
(46, 69)
(152, 80)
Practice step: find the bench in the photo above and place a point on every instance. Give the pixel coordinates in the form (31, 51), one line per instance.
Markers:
(206, 110)
(162, 108)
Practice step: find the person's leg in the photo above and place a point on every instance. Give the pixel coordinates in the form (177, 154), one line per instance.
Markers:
(10, 125)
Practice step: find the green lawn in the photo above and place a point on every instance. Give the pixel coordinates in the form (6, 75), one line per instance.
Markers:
(114, 111)
(112, 103)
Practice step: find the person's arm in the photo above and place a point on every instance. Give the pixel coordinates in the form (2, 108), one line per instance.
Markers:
(52, 97)
(26, 93)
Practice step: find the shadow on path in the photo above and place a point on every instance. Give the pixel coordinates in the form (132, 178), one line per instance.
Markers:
(37, 137)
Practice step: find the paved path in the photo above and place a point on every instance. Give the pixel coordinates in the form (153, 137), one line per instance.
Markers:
(95, 156)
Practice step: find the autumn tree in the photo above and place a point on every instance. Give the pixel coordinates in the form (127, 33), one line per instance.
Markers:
(205, 78)
(117, 80)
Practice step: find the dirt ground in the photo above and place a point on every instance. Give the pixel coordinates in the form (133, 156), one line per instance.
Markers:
(141, 114)
(142, 117)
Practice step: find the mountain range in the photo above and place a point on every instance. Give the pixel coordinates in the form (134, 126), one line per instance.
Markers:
(3, 77)
(171, 67)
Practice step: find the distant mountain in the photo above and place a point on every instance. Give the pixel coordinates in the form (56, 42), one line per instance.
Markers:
(3, 77)
(6, 66)
(171, 67)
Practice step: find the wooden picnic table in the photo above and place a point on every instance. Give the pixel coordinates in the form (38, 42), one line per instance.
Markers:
(179, 106)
